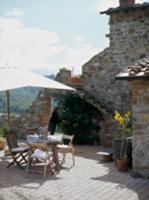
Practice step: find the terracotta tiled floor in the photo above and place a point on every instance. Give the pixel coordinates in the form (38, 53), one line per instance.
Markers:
(89, 179)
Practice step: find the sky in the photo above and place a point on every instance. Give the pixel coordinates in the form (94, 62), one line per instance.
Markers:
(46, 35)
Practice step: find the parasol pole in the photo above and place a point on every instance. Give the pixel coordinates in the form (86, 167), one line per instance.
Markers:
(8, 107)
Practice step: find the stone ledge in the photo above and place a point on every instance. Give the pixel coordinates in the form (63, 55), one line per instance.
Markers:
(105, 156)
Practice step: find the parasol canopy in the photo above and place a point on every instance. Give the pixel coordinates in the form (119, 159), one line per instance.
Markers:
(13, 77)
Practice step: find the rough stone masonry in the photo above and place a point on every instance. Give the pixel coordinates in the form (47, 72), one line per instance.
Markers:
(129, 41)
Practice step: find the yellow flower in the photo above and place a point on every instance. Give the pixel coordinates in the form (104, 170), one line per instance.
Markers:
(117, 115)
(122, 120)
(127, 114)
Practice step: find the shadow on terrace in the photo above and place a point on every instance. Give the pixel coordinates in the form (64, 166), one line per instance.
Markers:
(14, 176)
(125, 180)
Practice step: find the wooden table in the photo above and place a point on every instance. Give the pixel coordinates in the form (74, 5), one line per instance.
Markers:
(45, 144)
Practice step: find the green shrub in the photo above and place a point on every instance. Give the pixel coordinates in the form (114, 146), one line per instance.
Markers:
(3, 129)
(79, 118)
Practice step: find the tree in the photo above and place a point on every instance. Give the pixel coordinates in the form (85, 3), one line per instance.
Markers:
(79, 118)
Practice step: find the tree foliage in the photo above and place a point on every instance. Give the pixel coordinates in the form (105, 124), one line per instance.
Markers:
(80, 118)
(20, 99)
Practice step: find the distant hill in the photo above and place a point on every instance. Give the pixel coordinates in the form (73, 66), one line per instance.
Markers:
(21, 98)
(52, 76)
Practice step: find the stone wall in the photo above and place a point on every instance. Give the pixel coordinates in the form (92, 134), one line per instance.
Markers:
(63, 75)
(140, 108)
(129, 37)
(37, 115)
(129, 41)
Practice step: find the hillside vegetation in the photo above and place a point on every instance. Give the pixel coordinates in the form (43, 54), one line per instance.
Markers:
(20, 99)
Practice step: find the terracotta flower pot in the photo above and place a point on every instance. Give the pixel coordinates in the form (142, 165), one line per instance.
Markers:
(122, 164)
(2, 145)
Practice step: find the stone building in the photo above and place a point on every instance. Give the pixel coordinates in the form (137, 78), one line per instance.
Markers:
(65, 76)
(138, 74)
(129, 41)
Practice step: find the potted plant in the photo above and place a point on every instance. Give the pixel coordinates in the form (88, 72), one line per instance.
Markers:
(3, 129)
(122, 139)
(2, 144)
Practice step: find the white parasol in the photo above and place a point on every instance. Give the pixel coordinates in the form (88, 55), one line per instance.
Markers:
(13, 77)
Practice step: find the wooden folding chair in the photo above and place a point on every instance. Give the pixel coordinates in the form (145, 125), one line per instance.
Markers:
(67, 147)
(38, 160)
(18, 153)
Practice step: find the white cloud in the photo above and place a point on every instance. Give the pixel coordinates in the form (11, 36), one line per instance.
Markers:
(104, 5)
(15, 12)
(107, 4)
(33, 48)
